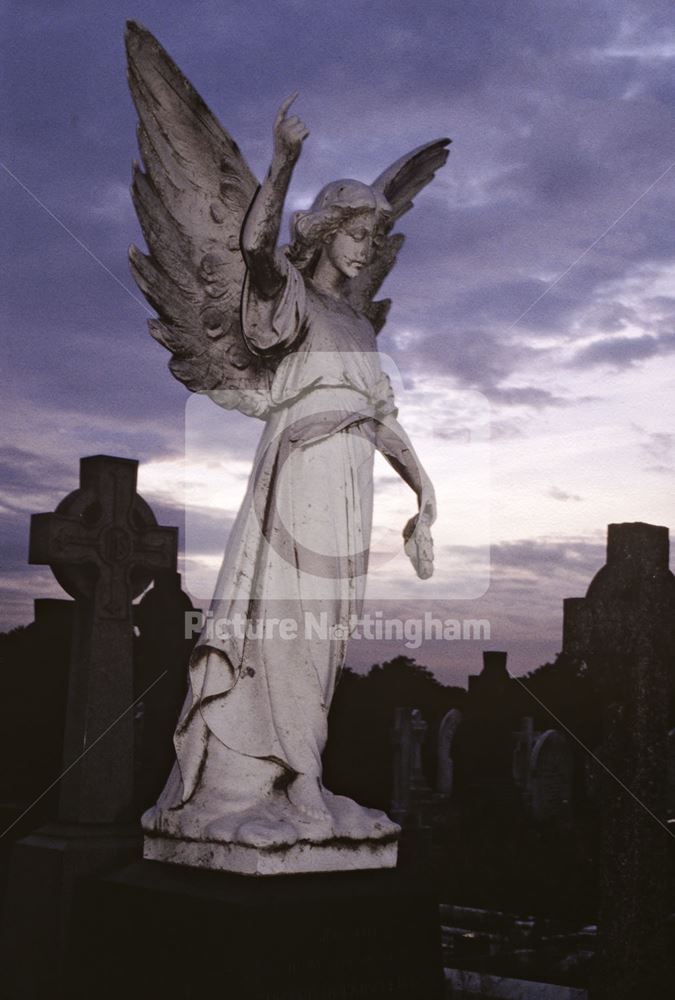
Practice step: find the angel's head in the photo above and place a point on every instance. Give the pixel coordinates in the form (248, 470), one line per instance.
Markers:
(346, 224)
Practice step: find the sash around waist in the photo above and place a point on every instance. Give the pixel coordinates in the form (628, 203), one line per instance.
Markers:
(321, 409)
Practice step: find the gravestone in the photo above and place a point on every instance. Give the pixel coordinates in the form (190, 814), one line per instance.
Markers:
(408, 777)
(550, 778)
(624, 629)
(414, 804)
(105, 547)
(445, 765)
(484, 756)
(493, 682)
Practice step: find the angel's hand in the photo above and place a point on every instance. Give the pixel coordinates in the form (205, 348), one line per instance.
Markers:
(289, 133)
(419, 545)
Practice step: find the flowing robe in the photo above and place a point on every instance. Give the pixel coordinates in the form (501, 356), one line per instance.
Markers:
(299, 547)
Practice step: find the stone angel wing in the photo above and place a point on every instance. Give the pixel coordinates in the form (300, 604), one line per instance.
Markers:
(191, 200)
(399, 184)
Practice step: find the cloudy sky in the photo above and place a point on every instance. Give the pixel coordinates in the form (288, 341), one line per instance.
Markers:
(533, 301)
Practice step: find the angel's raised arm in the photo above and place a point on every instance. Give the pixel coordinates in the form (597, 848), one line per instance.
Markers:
(263, 221)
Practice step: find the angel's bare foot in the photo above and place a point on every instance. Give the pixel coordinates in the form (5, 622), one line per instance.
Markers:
(150, 819)
(354, 822)
(305, 794)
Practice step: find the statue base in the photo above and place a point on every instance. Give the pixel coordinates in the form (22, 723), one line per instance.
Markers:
(330, 856)
(158, 930)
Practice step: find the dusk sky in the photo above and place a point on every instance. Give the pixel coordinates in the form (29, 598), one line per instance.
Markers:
(535, 286)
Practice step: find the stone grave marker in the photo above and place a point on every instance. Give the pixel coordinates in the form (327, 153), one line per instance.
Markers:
(624, 629)
(408, 778)
(550, 778)
(105, 547)
(445, 765)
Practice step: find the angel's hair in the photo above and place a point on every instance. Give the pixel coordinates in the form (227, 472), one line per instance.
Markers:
(335, 205)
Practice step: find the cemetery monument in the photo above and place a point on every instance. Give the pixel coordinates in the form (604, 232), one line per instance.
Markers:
(288, 335)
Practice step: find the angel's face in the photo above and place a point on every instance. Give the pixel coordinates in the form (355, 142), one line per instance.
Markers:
(350, 249)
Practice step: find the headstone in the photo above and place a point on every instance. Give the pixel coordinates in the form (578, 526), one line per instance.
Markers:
(550, 780)
(493, 681)
(408, 777)
(104, 546)
(624, 629)
(445, 765)
(484, 756)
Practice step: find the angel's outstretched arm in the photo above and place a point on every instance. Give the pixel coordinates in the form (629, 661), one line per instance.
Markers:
(395, 445)
(261, 228)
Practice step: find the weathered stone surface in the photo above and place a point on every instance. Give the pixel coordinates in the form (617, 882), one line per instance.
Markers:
(550, 779)
(286, 334)
(285, 860)
(445, 766)
(408, 778)
(104, 546)
(624, 629)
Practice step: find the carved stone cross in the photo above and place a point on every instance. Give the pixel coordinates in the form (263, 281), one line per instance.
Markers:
(104, 546)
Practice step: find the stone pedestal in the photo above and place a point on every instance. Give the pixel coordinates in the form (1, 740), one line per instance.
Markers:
(154, 930)
(46, 868)
(300, 858)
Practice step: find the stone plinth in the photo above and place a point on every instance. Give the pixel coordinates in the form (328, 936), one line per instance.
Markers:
(170, 932)
(334, 856)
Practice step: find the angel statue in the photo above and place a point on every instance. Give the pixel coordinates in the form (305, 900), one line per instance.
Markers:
(288, 335)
